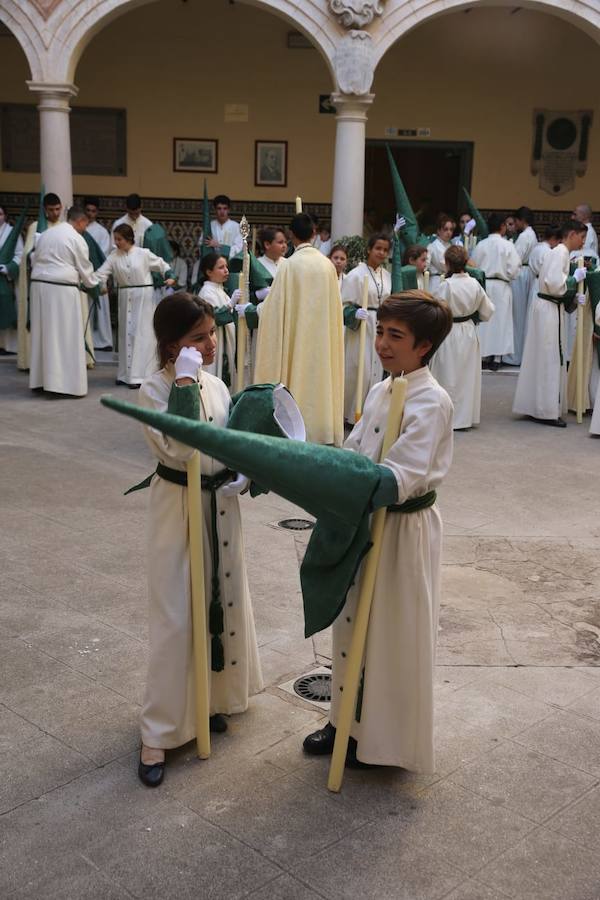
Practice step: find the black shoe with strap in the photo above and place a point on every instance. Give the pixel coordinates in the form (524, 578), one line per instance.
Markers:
(151, 775)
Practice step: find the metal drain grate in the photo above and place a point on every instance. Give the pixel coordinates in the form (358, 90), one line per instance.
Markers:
(315, 686)
(296, 524)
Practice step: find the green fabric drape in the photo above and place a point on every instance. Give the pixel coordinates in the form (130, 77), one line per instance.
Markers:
(8, 303)
(156, 240)
(482, 228)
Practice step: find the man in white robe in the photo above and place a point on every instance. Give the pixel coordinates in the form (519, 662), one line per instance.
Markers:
(541, 386)
(501, 264)
(521, 286)
(101, 329)
(53, 213)
(60, 263)
(134, 218)
(224, 231)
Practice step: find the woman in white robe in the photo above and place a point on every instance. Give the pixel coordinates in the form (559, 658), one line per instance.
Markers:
(457, 363)
(501, 264)
(215, 271)
(380, 287)
(9, 277)
(185, 325)
(437, 249)
(521, 286)
(541, 386)
(131, 268)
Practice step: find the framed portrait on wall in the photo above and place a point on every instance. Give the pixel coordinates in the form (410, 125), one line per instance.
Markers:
(270, 163)
(195, 155)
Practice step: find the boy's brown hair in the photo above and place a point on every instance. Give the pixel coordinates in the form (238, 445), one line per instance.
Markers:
(413, 253)
(428, 318)
(456, 259)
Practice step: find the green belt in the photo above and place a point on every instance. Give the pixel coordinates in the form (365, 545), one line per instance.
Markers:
(59, 283)
(415, 504)
(210, 483)
(474, 317)
(557, 302)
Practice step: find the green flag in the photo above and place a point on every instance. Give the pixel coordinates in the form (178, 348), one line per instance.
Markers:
(42, 221)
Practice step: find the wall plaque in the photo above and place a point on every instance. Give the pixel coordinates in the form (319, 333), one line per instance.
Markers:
(560, 148)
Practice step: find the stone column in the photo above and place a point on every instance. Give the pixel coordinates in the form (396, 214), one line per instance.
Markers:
(55, 137)
(349, 164)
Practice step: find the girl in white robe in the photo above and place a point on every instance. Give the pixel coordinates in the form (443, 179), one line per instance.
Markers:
(396, 710)
(184, 325)
(131, 268)
(215, 271)
(457, 363)
(380, 288)
(541, 386)
(521, 286)
(501, 264)
(339, 259)
(8, 281)
(437, 249)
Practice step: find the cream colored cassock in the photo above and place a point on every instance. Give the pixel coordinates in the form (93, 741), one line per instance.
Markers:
(501, 264)
(436, 263)
(396, 723)
(595, 423)
(59, 311)
(541, 386)
(131, 270)
(102, 331)
(521, 292)
(301, 342)
(457, 363)
(217, 296)
(8, 336)
(23, 334)
(380, 288)
(168, 716)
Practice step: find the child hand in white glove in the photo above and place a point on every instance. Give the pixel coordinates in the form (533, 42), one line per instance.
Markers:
(239, 484)
(579, 274)
(188, 363)
(361, 314)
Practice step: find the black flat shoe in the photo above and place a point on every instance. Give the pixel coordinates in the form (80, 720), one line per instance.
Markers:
(556, 423)
(351, 761)
(152, 775)
(320, 743)
(218, 723)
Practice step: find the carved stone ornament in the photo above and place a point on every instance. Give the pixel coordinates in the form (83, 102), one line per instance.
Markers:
(45, 7)
(353, 60)
(354, 13)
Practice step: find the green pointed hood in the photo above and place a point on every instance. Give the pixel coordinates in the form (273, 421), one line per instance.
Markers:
(156, 240)
(410, 234)
(42, 221)
(7, 251)
(397, 283)
(482, 229)
(334, 485)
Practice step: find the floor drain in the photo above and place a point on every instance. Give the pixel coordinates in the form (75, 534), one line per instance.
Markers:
(315, 686)
(296, 524)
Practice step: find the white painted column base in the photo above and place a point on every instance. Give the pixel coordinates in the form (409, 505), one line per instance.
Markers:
(349, 166)
(55, 137)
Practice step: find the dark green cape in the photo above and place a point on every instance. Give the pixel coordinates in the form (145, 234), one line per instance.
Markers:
(335, 486)
(259, 277)
(156, 240)
(411, 233)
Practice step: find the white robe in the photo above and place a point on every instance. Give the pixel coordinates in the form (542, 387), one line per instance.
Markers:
(501, 264)
(101, 325)
(23, 333)
(216, 295)
(595, 423)
(168, 716)
(139, 226)
(436, 263)
(58, 311)
(228, 234)
(521, 291)
(396, 724)
(8, 336)
(457, 362)
(380, 287)
(131, 271)
(541, 386)
(179, 268)
(590, 245)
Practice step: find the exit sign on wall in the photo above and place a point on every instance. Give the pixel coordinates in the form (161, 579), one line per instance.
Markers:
(391, 131)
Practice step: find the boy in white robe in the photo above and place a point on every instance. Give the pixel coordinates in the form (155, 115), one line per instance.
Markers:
(541, 386)
(521, 286)
(134, 218)
(457, 363)
(225, 236)
(275, 246)
(501, 264)
(58, 323)
(102, 328)
(396, 711)
(583, 213)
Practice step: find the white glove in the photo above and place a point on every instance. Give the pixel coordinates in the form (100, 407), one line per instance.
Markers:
(579, 274)
(399, 223)
(169, 291)
(263, 293)
(187, 363)
(234, 487)
(3, 270)
(361, 314)
(471, 224)
(580, 299)
(236, 297)
(241, 308)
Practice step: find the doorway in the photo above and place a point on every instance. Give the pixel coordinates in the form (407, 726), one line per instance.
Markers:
(433, 172)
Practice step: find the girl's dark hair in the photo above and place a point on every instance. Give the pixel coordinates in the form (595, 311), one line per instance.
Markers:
(442, 219)
(524, 213)
(208, 262)
(413, 252)
(379, 236)
(428, 318)
(126, 231)
(268, 234)
(174, 317)
(335, 247)
(456, 259)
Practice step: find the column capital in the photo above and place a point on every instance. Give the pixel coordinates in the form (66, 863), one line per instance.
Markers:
(352, 107)
(54, 95)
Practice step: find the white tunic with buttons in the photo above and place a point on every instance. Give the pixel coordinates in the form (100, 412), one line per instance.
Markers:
(380, 287)
(217, 296)
(168, 718)
(396, 721)
(131, 270)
